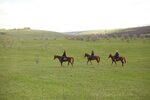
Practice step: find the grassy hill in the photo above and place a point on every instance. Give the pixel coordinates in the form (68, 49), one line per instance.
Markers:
(88, 32)
(124, 34)
(32, 34)
(28, 70)
(133, 30)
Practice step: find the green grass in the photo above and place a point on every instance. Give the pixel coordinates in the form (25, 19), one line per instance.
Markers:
(22, 79)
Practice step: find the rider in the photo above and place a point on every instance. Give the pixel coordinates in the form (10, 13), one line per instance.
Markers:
(92, 54)
(64, 55)
(116, 55)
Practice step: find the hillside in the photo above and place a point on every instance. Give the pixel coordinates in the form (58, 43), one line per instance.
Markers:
(139, 31)
(133, 30)
(32, 34)
(128, 33)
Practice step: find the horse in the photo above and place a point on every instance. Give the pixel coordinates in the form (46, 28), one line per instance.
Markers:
(90, 58)
(70, 60)
(122, 59)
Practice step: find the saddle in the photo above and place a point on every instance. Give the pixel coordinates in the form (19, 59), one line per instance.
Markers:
(91, 57)
(64, 58)
(117, 59)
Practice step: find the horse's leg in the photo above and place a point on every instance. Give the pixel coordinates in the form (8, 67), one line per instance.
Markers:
(91, 62)
(87, 62)
(72, 64)
(122, 62)
(98, 59)
(61, 63)
(115, 63)
(112, 62)
(68, 63)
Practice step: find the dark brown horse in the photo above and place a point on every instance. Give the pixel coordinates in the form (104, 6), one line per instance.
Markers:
(70, 60)
(122, 59)
(90, 58)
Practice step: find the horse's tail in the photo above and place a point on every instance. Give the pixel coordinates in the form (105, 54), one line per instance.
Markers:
(124, 59)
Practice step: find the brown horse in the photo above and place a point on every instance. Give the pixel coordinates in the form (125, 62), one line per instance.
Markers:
(70, 60)
(89, 58)
(122, 59)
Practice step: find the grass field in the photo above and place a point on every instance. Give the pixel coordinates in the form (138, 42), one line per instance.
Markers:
(23, 78)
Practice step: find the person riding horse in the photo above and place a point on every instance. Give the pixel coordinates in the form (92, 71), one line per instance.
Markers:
(116, 55)
(92, 54)
(64, 56)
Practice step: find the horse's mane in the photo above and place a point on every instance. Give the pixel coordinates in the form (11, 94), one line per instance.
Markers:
(57, 55)
(110, 54)
(87, 53)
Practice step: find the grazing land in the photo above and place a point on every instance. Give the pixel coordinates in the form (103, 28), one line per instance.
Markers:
(28, 70)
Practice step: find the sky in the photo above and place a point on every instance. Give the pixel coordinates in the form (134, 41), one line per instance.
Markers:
(74, 15)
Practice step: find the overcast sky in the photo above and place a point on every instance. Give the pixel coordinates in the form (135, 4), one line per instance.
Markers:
(74, 15)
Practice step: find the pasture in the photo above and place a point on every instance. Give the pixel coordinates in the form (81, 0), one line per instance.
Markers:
(28, 70)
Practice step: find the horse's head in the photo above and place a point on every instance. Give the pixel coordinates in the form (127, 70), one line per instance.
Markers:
(110, 55)
(55, 57)
(86, 55)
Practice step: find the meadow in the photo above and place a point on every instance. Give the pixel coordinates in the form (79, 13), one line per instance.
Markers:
(28, 70)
